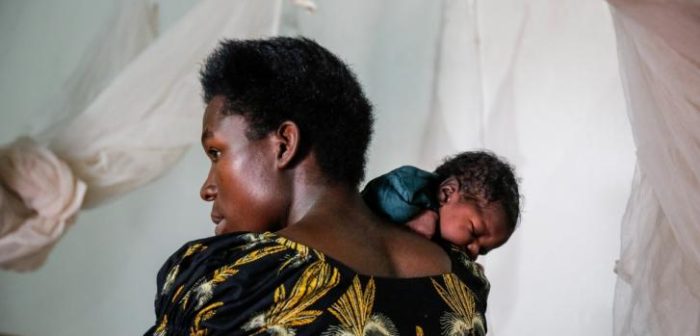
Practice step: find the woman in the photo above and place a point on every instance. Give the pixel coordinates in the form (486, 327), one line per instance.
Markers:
(286, 128)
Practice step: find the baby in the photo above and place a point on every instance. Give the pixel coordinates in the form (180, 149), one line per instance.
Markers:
(471, 201)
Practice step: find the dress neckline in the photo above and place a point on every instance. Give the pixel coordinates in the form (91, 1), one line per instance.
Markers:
(349, 270)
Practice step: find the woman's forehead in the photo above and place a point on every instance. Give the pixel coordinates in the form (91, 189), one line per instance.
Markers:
(228, 128)
(217, 120)
(214, 111)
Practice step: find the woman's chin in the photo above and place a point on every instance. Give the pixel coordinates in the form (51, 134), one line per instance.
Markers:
(220, 228)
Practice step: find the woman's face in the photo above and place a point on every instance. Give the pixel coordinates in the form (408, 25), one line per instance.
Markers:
(243, 183)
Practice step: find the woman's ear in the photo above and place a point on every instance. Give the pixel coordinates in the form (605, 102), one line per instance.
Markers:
(447, 188)
(286, 141)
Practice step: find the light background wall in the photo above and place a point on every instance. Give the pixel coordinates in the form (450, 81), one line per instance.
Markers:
(567, 135)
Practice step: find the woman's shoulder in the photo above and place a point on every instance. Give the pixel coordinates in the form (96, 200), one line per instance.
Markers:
(228, 254)
(470, 272)
(200, 255)
(249, 282)
(227, 272)
(222, 247)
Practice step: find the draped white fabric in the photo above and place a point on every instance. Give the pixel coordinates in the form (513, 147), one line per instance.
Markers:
(132, 28)
(40, 195)
(38, 200)
(658, 291)
(457, 121)
(535, 80)
(150, 114)
(131, 127)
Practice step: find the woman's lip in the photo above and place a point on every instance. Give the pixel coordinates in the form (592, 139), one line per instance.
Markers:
(216, 219)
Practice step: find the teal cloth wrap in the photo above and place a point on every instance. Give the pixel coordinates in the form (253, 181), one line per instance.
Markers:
(402, 193)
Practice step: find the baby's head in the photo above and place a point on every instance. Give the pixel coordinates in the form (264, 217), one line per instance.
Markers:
(479, 201)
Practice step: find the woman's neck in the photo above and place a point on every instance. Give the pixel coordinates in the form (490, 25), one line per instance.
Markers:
(314, 200)
(333, 219)
(336, 221)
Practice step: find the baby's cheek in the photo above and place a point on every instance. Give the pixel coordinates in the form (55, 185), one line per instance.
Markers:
(455, 234)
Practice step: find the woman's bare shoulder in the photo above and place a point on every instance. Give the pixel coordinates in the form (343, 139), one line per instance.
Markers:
(382, 249)
(415, 255)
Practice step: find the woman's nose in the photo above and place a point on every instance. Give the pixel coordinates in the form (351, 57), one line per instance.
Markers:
(208, 191)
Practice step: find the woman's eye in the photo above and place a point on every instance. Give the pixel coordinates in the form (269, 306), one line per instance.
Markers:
(213, 154)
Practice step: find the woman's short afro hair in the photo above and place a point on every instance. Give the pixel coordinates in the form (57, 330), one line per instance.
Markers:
(295, 79)
(484, 176)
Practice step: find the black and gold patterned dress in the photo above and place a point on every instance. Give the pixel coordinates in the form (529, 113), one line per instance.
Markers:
(265, 284)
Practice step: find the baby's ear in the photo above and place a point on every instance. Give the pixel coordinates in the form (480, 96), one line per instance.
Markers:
(448, 188)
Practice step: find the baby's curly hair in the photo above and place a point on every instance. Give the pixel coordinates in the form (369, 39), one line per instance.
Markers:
(486, 177)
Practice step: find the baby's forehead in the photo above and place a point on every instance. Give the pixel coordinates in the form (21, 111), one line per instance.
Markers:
(493, 209)
(480, 200)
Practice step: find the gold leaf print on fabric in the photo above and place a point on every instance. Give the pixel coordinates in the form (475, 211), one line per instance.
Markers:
(177, 293)
(170, 279)
(472, 267)
(299, 257)
(254, 239)
(203, 315)
(289, 310)
(258, 254)
(186, 298)
(194, 248)
(162, 327)
(299, 248)
(354, 311)
(204, 291)
(302, 254)
(464, 319)
(173, 273)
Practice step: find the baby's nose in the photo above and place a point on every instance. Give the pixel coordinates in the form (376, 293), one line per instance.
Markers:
(473, 250)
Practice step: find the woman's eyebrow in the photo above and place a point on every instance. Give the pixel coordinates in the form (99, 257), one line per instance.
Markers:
(206, 134)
